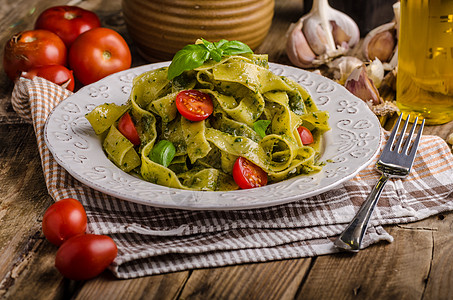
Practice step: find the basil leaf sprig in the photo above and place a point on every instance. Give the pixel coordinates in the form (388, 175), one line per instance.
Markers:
(194, 55)
(163, 153)
(260, 127)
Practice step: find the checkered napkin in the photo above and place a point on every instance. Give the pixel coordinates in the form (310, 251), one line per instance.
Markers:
(157, 240)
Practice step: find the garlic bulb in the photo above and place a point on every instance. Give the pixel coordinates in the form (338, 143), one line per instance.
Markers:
(321, 35)
(382, 42)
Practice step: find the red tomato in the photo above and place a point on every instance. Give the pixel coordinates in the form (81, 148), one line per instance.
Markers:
(68, 22)
(56, 73)
(63, 220)
(194, 105)
(248, 175)
(85, 256)
(305, 135)
(97, 53)
(31, 49)
(127, 128)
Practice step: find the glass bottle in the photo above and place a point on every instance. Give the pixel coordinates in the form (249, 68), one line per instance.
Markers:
(425, 60)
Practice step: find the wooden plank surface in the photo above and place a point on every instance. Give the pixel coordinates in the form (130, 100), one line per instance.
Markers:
(417, 265)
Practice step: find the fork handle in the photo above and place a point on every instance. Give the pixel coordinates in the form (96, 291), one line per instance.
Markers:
(351, 238)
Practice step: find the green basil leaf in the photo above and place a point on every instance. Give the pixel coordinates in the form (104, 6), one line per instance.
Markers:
(216, 54)
(235, 47)
(220, 43)
(163, 153)
(188, 58)
(260, 127)
(193, 56)
(210, 46)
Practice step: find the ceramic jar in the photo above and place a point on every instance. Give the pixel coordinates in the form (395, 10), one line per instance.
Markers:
(162, 27)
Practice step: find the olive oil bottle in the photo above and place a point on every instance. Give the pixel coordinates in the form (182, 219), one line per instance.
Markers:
(425, 60)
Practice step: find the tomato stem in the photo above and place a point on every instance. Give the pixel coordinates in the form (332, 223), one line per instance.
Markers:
(69, 15)
(106, 55)
(29, 39)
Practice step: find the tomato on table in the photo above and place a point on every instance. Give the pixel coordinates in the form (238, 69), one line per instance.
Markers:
(194, 105)
(97, 53)
(85, 256)
(127, 128)
(305, 135)
(58, 74)
(31, 49)
(248, 175)
(68, 22)
(64, 219)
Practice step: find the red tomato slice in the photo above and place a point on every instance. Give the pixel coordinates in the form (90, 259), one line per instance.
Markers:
(194, 105)
(248, 175)
(64, 219)
(127, 128)
(305, 135)
(85, 256)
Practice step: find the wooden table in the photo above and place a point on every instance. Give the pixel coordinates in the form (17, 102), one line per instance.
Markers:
(417, 265)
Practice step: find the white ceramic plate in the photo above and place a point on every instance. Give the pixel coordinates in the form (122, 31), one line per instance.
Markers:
(350, 146)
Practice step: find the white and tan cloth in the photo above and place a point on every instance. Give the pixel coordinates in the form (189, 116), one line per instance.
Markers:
(155, 240)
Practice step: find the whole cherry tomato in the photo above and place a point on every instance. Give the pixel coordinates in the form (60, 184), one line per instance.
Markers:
(194, 105)
(85, 256)
(97, 53)
(64, 219)
(31, 49)
(58, 74)
(68, 22)
(305, 135)
(248, 175)
(127, 128)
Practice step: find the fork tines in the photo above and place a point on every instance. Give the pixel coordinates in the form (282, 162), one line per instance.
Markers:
(396, 144)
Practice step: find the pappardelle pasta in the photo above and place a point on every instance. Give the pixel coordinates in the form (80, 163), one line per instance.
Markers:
(256, 117)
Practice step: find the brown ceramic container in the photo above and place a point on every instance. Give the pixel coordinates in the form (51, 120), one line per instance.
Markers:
(162, 27)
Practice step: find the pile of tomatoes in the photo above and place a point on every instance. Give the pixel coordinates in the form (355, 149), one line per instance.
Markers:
(67, 42)
(81, 256)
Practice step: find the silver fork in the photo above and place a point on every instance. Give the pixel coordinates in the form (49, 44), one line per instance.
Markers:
(395, 161)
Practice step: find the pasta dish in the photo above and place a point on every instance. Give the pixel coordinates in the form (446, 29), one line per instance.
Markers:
(224, 125)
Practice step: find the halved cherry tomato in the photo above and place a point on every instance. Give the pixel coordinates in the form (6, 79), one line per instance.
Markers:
(248, 175)
(194, 105)
(305, 135)
(64, 219)
(58, 74)
(85, 256)
(127, 128)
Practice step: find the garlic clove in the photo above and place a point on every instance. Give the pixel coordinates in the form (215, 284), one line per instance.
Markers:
(381, 44)
(348, 25)
(391, 65)
(340, 68)
(375, 72)
(297, 48)
(359, 84)
(316, 36)
(382, 41)
(340, 36)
